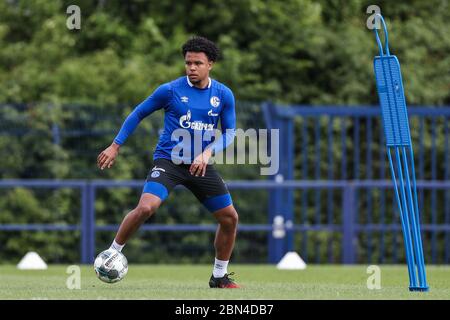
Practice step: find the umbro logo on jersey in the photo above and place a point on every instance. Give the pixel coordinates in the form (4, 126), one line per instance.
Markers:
(212, 114)
(155, 168)
(184, 99)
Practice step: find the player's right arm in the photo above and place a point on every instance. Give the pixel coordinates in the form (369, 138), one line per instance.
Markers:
(160, 98)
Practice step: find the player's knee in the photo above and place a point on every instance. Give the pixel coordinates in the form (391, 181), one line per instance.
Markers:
(234, 217)
(145, 211)
(229, 219)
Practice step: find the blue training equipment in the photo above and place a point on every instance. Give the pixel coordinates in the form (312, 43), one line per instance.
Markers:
(398, 142)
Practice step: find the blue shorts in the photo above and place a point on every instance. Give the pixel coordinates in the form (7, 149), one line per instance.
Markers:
(210, 190)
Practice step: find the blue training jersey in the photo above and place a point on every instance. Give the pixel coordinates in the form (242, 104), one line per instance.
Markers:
(196, 111)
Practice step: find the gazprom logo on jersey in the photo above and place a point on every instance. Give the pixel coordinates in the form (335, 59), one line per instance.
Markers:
(186, 123)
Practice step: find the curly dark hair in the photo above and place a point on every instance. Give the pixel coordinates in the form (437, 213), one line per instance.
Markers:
(201, 44)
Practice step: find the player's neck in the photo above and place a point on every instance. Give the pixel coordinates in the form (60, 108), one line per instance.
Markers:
(202, 84)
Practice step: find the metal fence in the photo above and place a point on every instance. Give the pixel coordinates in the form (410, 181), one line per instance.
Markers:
(355, 154)
(349, 228)
(333, 189)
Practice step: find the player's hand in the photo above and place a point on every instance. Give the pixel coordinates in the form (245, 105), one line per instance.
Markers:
(107, 157)
(198, 167)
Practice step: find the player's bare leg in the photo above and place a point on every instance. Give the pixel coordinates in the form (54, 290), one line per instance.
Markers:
(224, 244)
(226, 232)
(147, 206)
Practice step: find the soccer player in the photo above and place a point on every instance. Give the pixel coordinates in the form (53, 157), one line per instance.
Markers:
(194, 103)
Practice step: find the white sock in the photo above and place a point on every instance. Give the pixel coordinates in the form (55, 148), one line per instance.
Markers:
(117, 246)
(220, 268)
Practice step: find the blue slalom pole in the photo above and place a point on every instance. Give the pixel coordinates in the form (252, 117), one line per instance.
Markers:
(398, 137)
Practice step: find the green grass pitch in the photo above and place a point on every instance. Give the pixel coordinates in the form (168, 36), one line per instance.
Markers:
(190, 282)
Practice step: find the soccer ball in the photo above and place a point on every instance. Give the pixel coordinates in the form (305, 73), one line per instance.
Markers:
(111, 266)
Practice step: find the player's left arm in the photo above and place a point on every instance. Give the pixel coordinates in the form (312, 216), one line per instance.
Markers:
(228, 124)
